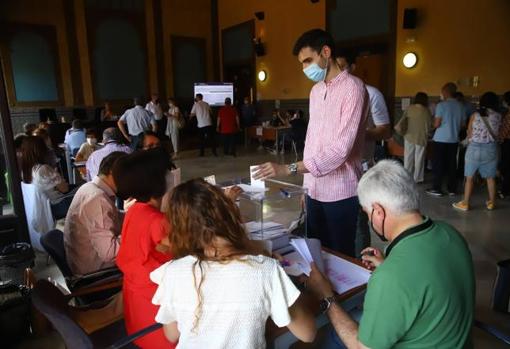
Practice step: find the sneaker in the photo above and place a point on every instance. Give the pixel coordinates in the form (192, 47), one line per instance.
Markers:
(490, 205)
(434, 192)
(452, 193)
(461, 206)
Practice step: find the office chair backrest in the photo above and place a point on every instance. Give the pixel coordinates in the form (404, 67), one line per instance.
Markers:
(48, 299)
(53, 243)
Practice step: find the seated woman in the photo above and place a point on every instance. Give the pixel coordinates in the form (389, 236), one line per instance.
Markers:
(36, 169)
(144, 238)
(220, 289)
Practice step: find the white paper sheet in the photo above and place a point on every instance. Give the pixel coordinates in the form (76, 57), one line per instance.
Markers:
(295, 264)
(310, 250)
(343, 274)
(257, 183)
(210, 179)
(251, 189)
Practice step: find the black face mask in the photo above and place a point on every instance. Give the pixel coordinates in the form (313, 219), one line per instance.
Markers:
(372, 230)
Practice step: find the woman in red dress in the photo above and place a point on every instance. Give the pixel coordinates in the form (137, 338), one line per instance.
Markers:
(144, 240)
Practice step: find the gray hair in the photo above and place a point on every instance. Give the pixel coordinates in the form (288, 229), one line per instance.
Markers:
(389, 185)
(110, 134)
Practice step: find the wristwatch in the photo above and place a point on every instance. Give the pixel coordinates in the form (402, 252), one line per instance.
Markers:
(292, 168)
(326, 303)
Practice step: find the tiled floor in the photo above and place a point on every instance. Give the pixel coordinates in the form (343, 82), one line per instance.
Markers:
(488, 233)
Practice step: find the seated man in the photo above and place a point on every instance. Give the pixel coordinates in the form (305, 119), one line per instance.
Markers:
(422, 292)
(93, 223)
(75, 137)
(111, 139)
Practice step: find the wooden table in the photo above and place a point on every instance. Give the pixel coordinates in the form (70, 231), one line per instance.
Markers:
(267, 133)
(282, 338)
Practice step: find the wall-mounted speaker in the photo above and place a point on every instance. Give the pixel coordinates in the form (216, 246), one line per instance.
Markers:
(260, 15)
(260, 49)
(410, 18)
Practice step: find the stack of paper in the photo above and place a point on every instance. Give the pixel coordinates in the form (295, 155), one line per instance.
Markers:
(273, 231)
(310, 251)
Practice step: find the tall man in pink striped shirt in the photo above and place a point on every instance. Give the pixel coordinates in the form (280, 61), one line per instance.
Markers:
(334, 141)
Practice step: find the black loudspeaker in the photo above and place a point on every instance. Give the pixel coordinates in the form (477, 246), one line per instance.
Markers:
(410, 17)
(260, 49)
(260, 15)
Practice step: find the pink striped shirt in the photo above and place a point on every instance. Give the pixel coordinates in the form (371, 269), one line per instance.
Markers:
(335, 137)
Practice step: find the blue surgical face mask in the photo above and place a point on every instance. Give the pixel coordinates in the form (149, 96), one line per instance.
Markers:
(315, 73)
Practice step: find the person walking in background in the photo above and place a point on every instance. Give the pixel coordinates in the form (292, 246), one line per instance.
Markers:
(504, 136)
(174, 123)
(482, 151)
(154, 106)
(202, 111)
(228, 126)
(414, 126)
(138, 120)
(448, 119)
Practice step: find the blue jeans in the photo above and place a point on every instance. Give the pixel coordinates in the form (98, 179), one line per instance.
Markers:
(481, 157)
(333, 223)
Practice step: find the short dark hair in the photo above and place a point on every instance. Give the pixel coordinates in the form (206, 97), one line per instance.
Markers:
(349, 55)
(506, 97)
(18, 140)
(137, 100)
(91, 132)
(76, 124)
(141, 175)
(228, 101)
(421, 98)
(106, 166)
(199, 95)
(450, 88)
(29, 128)
(316, 39)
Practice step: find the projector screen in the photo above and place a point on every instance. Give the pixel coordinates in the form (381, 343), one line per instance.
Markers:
(215, 92)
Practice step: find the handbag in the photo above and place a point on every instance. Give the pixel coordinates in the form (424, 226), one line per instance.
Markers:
(401, 126)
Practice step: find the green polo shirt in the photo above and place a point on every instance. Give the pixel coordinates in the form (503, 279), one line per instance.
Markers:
(423, 294)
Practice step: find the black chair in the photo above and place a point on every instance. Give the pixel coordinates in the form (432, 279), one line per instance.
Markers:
(47, 114)
(53, 244)
(493, 331)
(54, 305)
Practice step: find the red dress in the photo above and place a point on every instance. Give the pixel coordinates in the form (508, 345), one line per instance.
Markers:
(144, 227)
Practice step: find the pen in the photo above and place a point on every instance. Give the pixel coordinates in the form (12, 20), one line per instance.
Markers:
(285, 193)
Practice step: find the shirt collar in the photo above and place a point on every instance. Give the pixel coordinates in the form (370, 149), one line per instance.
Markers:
(338, 78)
(103, 186)
(427, 223)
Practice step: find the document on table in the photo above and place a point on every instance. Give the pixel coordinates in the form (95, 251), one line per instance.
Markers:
(251, 189)
(343, 274)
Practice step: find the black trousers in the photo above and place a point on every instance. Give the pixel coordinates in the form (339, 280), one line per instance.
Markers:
(207, 133)
(444, 164)
(229, 143)
(505, 167)
(333, 223)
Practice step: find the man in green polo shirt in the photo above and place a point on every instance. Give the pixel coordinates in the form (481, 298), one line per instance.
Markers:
(422, 293)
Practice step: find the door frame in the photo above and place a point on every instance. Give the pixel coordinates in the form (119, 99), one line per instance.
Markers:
(18, 219)
(252, 61)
